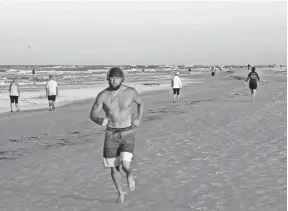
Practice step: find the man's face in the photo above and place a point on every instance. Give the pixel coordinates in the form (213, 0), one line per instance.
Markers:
(115, 82)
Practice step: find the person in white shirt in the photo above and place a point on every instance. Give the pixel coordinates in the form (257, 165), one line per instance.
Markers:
(14, 92)
(51, 92)
(176, 86)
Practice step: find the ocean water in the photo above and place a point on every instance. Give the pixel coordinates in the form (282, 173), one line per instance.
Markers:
(72, 76)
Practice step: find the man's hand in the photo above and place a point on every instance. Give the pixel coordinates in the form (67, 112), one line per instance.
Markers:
(105, 122)
(136, 123)
(245, 84)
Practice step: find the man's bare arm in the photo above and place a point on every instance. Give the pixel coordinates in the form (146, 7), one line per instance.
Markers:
(248, 77)
(96, 109)
(140, 105)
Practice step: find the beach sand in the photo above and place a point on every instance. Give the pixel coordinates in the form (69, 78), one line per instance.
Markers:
(215, 150)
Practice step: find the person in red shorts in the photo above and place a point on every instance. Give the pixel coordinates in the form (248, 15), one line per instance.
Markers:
(117, 101)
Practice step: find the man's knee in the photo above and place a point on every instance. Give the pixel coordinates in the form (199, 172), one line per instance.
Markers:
(126, 165)
(115, 169)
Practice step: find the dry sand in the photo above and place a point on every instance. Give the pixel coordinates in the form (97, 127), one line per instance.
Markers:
(215, 150)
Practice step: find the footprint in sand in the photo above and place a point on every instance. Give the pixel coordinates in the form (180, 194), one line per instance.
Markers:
(13, 140)
(33, 138)
(74, 132)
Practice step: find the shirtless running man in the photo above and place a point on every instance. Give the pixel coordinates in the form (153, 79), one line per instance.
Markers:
(116, 101)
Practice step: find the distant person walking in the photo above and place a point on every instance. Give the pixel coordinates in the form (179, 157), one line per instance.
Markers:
(189, 71)
(33, 72)
(14, 92)
(213, 71)
(51, 92)
(176, 86)
(249, 66)
(253, 78)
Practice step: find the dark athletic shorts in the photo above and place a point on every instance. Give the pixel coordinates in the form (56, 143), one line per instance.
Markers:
(253, 86)
(118, 140)
(176, 91)
(52, 98)
(212, 73)
(14, 99)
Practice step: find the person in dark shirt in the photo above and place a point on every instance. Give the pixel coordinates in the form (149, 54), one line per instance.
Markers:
(253, 78)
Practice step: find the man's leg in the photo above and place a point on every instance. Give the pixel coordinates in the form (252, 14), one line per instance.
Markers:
(174, 98)
(16, 104)
(253, 94)
(117, 179)
(17, 108)
(126, 166)
(50, 105)
(11, 103)
(126, 160)
(53, 105)
(11, 106)
(53, 102)
(178, 95)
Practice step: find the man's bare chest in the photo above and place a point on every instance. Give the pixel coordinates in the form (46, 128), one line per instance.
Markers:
(119, 102)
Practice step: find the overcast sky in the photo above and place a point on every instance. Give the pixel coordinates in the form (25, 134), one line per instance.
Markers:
(89, 32)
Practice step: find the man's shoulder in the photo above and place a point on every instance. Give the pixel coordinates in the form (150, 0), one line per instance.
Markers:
(128, 89)
(51, 81)
(103, 93)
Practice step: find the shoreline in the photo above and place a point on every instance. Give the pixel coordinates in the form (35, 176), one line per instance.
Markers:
(69, 94)
(37, 100)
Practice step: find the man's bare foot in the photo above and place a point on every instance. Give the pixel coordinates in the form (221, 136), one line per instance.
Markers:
(121, 198)
(131, 183)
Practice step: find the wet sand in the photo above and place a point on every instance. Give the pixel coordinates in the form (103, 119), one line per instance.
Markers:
(215, 150)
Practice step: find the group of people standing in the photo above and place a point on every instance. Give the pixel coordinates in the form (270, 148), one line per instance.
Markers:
(51, 93)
